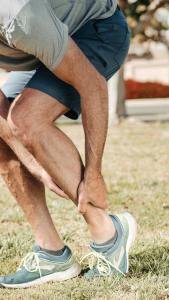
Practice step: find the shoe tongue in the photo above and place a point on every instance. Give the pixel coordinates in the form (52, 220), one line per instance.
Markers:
(66, 254)
(96, 247)
(101, 248)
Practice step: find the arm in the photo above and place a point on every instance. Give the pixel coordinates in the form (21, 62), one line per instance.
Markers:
(27, 158)
(76, 70)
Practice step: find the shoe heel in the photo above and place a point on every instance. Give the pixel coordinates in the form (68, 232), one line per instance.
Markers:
(132, 230)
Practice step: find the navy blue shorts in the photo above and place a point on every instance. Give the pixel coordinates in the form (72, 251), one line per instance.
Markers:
(105, 42)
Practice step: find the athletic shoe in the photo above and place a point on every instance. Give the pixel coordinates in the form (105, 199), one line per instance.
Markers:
(39, 267)
(113, 261)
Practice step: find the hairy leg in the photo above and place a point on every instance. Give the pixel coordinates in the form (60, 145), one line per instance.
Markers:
(36, 112)
(29, 193)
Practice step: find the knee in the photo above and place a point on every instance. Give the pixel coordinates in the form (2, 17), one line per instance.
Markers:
(23, 122)
(9, 166)
(31, 114)
(8, 160)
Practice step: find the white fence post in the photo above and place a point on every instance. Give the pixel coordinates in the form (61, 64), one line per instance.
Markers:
(116, 97)
(112, 90)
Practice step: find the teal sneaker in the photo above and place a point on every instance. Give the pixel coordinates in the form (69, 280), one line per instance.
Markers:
(115, 260)
(39, 267)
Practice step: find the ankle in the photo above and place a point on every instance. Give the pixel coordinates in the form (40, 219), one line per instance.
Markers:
(50, 245)
(102, 228)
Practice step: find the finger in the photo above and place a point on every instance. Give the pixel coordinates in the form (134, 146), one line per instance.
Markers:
(61, 193)
(82, 206)
(100, 204)
(54, 188)
(49, 183)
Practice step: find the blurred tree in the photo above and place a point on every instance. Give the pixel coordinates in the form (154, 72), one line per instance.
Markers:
(148, 19)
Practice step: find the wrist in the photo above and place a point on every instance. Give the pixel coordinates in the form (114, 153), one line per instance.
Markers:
(92, 173)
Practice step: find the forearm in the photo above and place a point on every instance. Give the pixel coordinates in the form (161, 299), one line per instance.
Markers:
(76, 70)
(94, 105)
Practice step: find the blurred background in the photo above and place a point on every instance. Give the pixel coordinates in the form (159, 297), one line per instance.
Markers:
(143, 84)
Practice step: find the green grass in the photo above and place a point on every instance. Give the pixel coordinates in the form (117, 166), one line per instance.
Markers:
(136, 169)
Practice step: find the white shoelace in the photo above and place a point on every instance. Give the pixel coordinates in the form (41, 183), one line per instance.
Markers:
(102, 264)
(25, 262)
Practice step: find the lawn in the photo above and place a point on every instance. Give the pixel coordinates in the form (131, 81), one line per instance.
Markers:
(136, 169)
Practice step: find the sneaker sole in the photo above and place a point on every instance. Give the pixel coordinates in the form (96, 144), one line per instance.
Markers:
(132, 234)
(72, 272)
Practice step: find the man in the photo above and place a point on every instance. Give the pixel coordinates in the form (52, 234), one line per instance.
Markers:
(75, 47)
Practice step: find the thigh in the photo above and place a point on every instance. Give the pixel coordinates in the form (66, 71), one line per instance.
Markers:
(46, 82)
(34, 106)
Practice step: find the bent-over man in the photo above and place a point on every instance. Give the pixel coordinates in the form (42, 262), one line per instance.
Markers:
(75, 47)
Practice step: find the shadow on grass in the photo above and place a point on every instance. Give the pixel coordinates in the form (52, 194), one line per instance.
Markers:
(154, 260)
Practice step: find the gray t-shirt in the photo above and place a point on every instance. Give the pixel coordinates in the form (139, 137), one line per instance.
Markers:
(38, 30)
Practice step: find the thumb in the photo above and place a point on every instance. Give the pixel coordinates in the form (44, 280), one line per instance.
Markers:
(82, 205)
